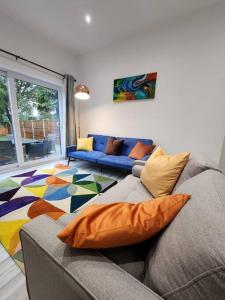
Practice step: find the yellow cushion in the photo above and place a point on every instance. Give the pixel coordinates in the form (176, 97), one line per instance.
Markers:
(120, 224)
(162, 171)
(85, 144)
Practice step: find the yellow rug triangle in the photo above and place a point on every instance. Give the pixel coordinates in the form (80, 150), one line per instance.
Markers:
(47, 171)
(37, 191)
(9, 234)
(22, 192)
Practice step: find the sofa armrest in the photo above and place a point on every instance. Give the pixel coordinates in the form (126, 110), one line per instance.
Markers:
(136, 170)
(139, 163)
(69, 149)
(146, 157)
(55, 271)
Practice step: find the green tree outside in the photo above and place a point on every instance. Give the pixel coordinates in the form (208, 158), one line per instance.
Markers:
(34, 102)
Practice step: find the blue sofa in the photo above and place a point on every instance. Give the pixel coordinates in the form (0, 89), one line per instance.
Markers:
(98, 156)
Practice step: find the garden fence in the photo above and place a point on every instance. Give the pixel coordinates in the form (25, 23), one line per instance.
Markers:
(36, 130)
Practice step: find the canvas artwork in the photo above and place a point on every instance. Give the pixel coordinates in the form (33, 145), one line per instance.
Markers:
(135, 87)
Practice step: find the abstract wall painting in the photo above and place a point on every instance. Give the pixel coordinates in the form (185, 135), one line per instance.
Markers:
(135, 88)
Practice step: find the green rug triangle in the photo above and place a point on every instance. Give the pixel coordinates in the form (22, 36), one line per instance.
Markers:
(91, 186)
(99, 178)
(8, 183)
(18, 256)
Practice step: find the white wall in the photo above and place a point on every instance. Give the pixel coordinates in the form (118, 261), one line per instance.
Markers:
(222, 156)
(188, 112)
(23, 41)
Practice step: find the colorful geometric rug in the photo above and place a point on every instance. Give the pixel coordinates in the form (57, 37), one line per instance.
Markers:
(61, 186)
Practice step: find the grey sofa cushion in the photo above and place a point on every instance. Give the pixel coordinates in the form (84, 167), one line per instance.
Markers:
(196, 165)
(55, 271)
(129, 189)
(131, 258)
(187, 260)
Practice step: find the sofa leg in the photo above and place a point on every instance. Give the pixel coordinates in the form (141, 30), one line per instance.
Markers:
(69, 159)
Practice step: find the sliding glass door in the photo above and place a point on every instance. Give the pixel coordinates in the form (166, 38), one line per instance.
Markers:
(7, 139)
(33, 108)
(38, 110)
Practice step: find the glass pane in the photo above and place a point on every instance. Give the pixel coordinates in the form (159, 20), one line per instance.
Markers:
(38, 108)
(7, 145)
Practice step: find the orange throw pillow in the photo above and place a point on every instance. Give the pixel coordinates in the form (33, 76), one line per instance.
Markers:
(140, 150)
(120, 224)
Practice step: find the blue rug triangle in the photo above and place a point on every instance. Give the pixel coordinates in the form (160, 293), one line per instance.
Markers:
(71, 171)
(77, 201)
(14, 204)
(34, 178)
(27, 174)
(79, 176)
(56, 193)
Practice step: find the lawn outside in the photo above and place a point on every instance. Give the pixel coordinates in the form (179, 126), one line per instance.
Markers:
(3, 138)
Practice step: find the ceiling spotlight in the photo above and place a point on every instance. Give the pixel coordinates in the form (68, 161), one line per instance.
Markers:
(88, 19)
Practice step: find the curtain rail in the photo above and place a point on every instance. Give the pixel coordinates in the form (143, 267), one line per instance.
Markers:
(31, 62)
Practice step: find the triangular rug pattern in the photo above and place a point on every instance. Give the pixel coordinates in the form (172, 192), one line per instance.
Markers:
(61, 185)
(27, 174)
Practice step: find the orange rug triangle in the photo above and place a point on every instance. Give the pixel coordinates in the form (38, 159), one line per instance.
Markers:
(55, 180)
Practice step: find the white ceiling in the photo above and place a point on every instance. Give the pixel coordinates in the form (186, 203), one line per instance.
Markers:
(62, 21)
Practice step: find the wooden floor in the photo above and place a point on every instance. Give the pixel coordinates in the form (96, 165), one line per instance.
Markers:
(12, 280)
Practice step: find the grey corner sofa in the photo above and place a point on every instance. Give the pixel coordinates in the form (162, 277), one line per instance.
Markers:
(186, 261)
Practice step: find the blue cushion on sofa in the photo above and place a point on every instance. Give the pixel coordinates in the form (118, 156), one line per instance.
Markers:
(99, 141)
(123, 162)
(87, 155)
(129, 143)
